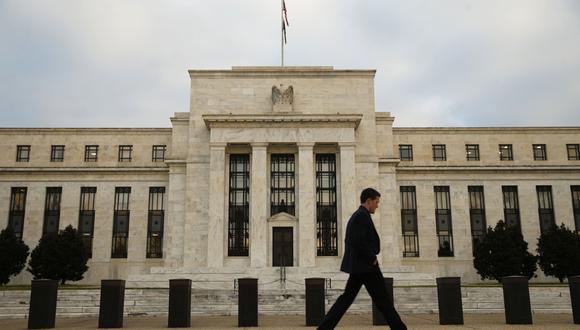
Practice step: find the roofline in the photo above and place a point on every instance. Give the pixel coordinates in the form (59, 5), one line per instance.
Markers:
(278, 71)
(506, 129)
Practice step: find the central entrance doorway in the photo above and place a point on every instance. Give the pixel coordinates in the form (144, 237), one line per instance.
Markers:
(282, 249)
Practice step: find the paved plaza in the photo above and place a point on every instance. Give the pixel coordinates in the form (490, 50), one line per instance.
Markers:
(364, 321)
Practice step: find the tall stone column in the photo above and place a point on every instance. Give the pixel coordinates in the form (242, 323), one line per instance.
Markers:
(306, 206)
(175, 215)
(389, 220)
(348, 193)
(216, 226)
(259, 206)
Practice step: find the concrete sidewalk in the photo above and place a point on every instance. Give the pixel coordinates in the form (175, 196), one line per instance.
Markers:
(414, 321)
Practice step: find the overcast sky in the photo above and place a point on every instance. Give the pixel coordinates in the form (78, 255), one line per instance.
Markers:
(121, 63)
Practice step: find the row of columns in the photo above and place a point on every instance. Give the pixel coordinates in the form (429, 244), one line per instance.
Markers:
(259, 188)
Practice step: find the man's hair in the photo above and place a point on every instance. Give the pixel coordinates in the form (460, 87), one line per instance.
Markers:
(368, 193)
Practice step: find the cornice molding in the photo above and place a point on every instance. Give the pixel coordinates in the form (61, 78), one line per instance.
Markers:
(267, 120)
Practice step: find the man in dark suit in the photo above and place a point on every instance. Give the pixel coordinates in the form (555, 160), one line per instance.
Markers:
(362, 244)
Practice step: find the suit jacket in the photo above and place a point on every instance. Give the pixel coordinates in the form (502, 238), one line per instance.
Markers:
(361, 243)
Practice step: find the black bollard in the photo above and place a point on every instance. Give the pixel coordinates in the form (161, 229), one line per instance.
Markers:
(179, 304)
(449, 300)
(315, 308)
(574, 283)
(112, 302)
(378, 317)
(42, 312)
(516, 297)
(248, 302)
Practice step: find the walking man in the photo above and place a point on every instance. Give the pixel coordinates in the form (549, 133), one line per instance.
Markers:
(362, 244)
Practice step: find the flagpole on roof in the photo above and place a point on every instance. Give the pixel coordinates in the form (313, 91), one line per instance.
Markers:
(282, 31)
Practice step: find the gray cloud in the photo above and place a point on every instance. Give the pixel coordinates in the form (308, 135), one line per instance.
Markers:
(440, 63)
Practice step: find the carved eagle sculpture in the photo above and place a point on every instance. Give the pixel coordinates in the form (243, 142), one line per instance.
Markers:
(279, 97)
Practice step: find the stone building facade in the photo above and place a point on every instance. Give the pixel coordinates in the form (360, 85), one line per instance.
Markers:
(260, 177)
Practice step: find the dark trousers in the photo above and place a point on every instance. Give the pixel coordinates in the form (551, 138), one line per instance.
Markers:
(375, 285)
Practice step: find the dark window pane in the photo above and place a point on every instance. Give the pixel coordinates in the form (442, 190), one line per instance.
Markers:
(409, 222)
(505, 152)
(57, 153)
(472, 151)
(52, 210)
(238, 207)
(539, 152)
(282, 183)
(159, 153)
(406, 152)
(91, 153)
(326, 216)
(23, 153)
(439, 152)
(443, 221)
(125, 153)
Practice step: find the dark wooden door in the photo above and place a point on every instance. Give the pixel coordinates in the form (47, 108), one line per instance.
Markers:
(282, 249)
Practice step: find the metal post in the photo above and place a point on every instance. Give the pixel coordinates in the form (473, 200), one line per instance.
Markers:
(516, 297)
(42, 310)
(574, 283)
(449, 300)
(179, 303)
(378, 317)
(248, 302)
(112, 302)
(315, 307)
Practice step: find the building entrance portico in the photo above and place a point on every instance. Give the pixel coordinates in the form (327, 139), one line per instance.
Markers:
(300, 136)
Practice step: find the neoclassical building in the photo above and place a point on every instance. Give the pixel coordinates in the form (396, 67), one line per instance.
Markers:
(260, 177)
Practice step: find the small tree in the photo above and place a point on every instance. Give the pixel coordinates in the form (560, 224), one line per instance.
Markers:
(59, 257)
(13, 254)
(559, 252)
(503, 252)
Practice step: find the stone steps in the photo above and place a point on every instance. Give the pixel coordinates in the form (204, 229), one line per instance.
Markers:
(71, 303)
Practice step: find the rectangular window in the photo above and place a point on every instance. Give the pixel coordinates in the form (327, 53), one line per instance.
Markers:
(439, 153)
(57, 153)
(159, 153)
(326, 218)
(17, 208)
(505, 152)
(540, 152)
(576, 205)
(87, 218)
(22, 153)
(52, 210)
(573, 151)
(545, 208)
(91, 153)
(121, 215)
(472, 151)
(511, 206)
(239, 206)
(155, 222)
(406, 152)
(125, 153)
(476, 214)
(443, 221)
(282, 183)
(409, 221)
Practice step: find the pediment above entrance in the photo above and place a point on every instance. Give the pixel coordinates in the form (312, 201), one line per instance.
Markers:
(282, 217)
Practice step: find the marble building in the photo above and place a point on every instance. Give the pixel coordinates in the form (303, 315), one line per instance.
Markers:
(261, 175)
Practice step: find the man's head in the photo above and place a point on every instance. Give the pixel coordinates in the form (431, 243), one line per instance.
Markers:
(370, 198)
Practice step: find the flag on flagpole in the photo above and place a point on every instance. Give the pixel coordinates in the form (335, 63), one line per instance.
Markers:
(284, 20)
(285, 12)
